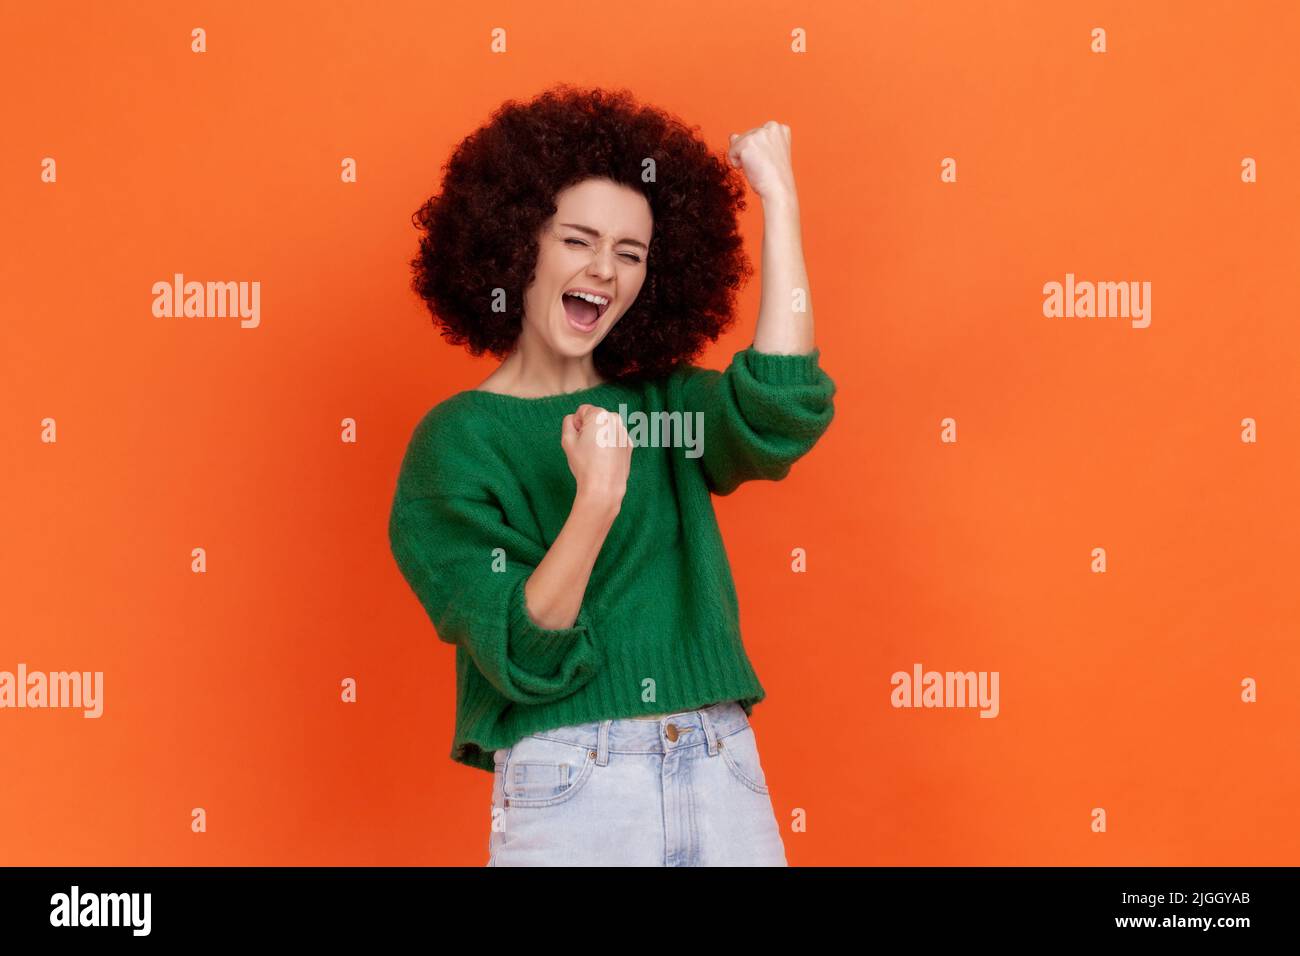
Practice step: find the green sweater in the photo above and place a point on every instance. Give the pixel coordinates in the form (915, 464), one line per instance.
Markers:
(484, 489)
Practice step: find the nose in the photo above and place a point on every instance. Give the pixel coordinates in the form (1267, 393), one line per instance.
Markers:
(602, 262)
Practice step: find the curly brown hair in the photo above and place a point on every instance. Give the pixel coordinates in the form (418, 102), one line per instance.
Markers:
(499, 188)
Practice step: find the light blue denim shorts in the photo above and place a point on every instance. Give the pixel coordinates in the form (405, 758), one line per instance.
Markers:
(682, 790)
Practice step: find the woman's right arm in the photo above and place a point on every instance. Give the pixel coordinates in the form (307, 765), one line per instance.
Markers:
(555, 590)
(483, 581)
(600, 464)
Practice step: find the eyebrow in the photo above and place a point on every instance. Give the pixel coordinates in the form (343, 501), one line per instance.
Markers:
(592, 232)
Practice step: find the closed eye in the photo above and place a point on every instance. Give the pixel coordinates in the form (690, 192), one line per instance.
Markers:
(630, 257)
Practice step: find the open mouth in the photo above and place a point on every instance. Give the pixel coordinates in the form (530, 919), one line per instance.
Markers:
(584, 308)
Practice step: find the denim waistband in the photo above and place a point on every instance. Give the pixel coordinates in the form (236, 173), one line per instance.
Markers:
(689, 728)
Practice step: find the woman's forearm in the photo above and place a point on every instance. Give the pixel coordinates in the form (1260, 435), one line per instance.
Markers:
(555, 590)
(782, 328)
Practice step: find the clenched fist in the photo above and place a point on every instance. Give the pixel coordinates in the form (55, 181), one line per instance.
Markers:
(599, 450)
(763, 155)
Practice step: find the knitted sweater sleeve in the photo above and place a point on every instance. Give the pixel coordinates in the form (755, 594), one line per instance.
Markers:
(468, 569)
(760, 415)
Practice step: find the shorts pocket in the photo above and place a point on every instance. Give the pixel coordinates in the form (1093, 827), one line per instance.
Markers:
(540, 772)
(740, 753)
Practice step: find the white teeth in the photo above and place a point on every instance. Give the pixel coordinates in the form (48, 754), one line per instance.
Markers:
(593, 299)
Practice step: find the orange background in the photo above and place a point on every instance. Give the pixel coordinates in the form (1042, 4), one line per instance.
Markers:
(1118, 690)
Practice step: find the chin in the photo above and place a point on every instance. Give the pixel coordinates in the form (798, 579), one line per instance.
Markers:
(571, 342)
(571, 346)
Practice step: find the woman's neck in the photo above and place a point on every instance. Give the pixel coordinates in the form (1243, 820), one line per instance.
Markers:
(526, 373)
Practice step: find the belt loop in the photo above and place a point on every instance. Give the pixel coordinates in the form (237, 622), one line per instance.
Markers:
(710, 734)
(602, 743)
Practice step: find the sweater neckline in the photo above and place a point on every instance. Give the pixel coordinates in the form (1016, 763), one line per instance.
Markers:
(544, 409)
(608, 388)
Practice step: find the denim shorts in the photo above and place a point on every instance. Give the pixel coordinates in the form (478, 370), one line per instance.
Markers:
(682, 790)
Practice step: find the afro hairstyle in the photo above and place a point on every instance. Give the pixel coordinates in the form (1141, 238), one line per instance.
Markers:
(480, 233)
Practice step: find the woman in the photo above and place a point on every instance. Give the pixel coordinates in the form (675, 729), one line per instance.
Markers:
(556, 522)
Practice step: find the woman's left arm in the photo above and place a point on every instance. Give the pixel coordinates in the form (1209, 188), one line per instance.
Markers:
(785, 313)
(774, 400)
